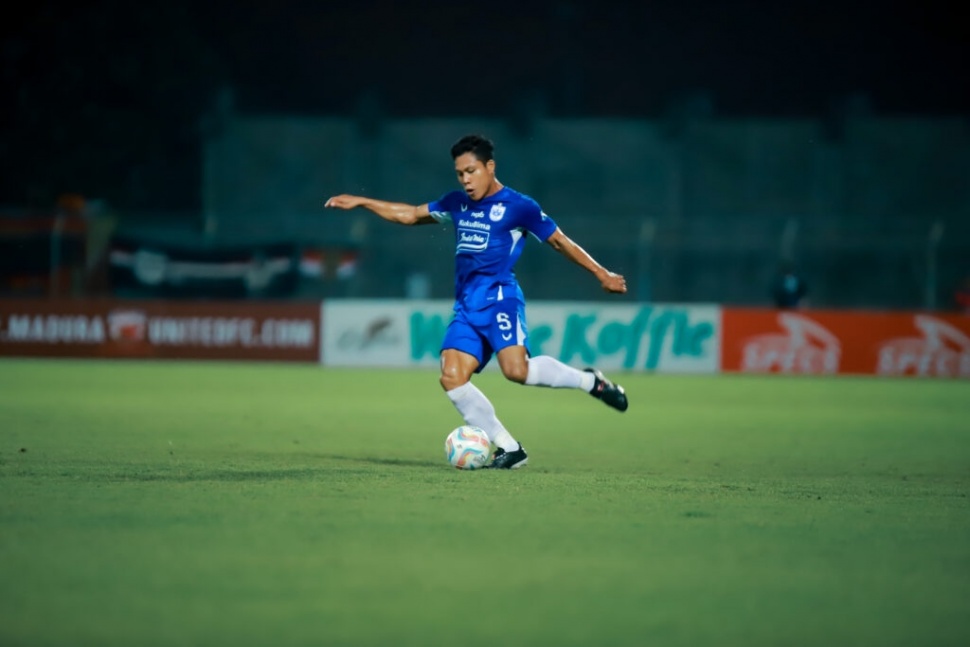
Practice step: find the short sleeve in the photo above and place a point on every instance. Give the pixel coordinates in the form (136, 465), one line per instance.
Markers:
(537, 222)
(440, 209)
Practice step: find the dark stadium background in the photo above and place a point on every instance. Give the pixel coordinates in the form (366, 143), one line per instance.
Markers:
(133, 80)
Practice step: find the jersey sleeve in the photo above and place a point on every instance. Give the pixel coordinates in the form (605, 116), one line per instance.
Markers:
(440, 209)
(537, 222)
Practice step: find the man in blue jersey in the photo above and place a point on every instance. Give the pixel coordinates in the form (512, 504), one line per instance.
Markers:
(491, 221)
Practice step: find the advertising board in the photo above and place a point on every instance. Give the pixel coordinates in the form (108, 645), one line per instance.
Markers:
(161, 329)
(656, 337)
(829, 342)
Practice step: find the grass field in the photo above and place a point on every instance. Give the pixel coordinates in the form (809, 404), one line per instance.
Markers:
(271, 505)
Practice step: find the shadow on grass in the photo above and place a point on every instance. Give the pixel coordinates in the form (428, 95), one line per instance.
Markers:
(402, 462)
(190, 474)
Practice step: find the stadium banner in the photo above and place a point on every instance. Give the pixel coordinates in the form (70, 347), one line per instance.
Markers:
(232, 330)
(657, 337)
(829, 342)
(180, 269)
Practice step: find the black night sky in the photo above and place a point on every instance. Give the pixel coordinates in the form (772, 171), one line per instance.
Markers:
(107, 98)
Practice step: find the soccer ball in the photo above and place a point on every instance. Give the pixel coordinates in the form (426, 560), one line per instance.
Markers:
(468, 448)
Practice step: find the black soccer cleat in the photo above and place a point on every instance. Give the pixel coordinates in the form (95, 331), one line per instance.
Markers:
(503, 460)
(605, 390)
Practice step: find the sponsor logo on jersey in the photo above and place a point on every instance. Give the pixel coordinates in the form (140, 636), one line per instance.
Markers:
(472, 240)
(496, 213)
(471, 224)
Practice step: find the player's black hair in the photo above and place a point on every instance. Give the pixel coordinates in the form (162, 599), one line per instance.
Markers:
(481, 147)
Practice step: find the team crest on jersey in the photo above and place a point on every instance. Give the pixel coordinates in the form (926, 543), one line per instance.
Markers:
(498, 210)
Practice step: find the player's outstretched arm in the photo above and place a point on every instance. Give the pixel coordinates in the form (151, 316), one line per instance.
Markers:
(563, 244)
(403, 214)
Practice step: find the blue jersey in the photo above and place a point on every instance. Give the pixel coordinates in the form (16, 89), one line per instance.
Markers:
(489, 238)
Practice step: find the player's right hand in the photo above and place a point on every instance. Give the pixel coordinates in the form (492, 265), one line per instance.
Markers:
(344, 201)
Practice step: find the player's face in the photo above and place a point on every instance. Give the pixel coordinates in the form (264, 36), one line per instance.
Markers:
(475, 176)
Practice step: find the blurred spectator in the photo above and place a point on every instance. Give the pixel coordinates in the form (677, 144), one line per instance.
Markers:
(788, 289)
(961, 296)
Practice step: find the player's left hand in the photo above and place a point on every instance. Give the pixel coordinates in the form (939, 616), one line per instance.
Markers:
(614, 283)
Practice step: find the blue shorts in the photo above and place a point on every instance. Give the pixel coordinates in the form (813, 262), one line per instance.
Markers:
(482, 333)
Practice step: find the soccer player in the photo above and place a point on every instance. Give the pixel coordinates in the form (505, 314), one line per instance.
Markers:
(490, 222)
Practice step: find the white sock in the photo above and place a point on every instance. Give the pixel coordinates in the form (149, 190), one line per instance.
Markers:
(476, 409)
(548, 371)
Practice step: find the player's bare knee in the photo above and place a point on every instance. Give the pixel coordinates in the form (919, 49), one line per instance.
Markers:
(516, 372)
(447, 381)
(451, 379)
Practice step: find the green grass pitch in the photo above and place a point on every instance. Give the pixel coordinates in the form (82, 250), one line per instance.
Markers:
(203, 504)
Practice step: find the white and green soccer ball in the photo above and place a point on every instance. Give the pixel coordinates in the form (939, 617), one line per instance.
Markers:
(468, 448)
